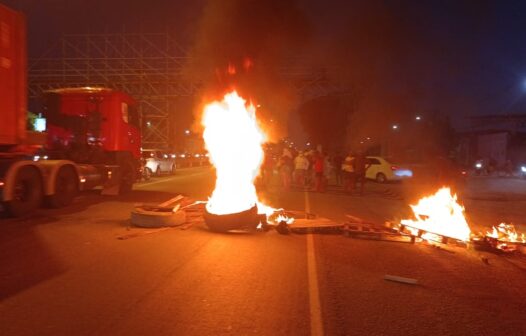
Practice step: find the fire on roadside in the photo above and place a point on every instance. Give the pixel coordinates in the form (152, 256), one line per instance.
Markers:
(505, 234)
(439, 214)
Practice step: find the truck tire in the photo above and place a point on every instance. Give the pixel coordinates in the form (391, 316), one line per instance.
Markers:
(27, 193)
(127, 176)
(66, 188)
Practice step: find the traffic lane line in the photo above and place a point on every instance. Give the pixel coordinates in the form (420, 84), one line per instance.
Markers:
(172, 178)
(316, 323)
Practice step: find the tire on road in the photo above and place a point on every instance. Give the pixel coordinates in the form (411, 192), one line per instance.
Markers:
(27, 192)
(156, 219)
(66, 188)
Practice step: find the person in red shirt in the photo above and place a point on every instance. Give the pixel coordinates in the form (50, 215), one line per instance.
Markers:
(318, 171)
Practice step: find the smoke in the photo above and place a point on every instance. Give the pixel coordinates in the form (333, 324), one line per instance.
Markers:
(242, 45)
(389, 58)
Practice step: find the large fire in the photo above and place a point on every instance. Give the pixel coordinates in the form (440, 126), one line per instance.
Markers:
(234, 141)
(440, 214)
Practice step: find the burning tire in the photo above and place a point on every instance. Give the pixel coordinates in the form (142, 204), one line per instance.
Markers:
(248, 219)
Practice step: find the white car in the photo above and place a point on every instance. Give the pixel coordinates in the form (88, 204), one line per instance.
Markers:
(383, 171)
(157, 162)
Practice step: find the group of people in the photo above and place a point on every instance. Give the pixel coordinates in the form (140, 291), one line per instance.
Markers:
(313, 170)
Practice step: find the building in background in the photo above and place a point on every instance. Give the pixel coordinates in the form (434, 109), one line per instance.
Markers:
(494, 137)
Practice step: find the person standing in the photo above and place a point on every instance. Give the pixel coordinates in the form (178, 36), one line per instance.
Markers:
(285, 170)
(328, 171)
(337, 162)
(360, 168)
(349, 178)
(318, 171)
(267, 169)
(301, 164)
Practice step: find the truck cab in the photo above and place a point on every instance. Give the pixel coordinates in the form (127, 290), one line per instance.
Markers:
(91, 125)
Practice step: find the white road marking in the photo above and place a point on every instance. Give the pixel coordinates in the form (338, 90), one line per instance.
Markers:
(163, 180)
(156, 182)
(316, 324)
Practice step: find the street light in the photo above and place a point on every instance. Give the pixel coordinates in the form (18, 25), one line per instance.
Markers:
(395, 126)
(149, 123)
(187, 132)
(418, 118)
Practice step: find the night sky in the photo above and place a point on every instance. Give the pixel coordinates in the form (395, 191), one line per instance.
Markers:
(460, 57)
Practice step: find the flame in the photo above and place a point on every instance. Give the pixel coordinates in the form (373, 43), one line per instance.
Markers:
(283, 218)
(506, 233)
(234, 141)
(440, 214)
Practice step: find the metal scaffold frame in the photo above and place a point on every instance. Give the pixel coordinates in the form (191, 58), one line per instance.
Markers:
(148, 66)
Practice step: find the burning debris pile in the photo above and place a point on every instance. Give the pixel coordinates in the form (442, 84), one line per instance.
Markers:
(440, 218)
(234, 141)
(503, 237)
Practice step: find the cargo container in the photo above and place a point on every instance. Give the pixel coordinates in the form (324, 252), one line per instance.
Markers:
(87, 137)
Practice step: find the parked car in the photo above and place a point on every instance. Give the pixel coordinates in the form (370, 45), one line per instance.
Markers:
(157, 162)
(381, 170)
(522, 170)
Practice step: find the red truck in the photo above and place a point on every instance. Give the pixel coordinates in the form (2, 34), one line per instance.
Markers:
(91, 135)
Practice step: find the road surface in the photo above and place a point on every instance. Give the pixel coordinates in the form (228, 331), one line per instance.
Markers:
(65, 272)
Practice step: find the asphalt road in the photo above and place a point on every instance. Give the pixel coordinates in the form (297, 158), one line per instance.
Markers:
(64, 272)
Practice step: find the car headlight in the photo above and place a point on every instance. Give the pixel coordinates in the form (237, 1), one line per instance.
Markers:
(478, 165)
(523, 169)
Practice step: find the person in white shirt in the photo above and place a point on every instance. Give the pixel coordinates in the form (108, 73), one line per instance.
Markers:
(301, 164)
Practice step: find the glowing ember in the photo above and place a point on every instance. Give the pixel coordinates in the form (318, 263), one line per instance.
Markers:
(234, 140)
(506, 233)
(440, 214)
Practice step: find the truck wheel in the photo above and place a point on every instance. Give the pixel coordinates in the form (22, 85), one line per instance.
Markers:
(27, 193)
(127, 176)
(66, 188)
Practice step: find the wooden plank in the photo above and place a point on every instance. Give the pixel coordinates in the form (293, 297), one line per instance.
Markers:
(400, 279)
(171, 201)
(314, 223)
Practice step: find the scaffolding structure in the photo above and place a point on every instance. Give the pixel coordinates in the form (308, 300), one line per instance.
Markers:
(148, 66)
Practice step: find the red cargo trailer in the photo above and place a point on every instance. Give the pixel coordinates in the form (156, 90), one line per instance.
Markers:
(93, 136)
(13, 76)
